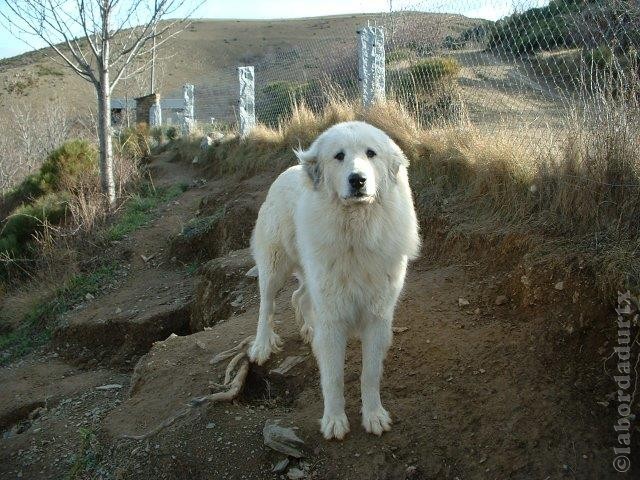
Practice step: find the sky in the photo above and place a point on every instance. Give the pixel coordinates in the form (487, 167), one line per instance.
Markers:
(269, 9)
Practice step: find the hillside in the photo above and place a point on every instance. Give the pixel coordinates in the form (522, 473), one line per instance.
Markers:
(209, 51)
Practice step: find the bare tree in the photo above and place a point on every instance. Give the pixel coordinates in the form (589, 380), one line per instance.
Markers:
(98, 40)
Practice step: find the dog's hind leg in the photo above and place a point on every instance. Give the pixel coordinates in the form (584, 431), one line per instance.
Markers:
(301, 302)
(376, 338)
(274, 268)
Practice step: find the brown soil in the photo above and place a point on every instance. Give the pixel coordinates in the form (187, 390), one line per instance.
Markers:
(515, 390)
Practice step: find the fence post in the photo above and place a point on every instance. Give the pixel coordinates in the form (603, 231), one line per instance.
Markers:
(155, 114)
(371, 64)
(246, 100)
(187, 109)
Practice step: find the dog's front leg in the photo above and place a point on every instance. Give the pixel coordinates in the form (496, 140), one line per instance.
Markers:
(376, 339)
(329, 343)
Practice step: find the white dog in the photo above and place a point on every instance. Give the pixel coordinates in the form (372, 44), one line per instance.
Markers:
(344, 223)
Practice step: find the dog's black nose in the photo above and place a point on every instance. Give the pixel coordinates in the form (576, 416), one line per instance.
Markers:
(357, 181)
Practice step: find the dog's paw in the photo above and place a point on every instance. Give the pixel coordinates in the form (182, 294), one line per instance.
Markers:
(334, 426)
(306, 332)
(376, 421)
(260, 351)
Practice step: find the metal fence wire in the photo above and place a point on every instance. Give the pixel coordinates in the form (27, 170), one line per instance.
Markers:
(527, 72)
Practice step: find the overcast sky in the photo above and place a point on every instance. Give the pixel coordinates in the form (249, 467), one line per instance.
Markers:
(253, 9)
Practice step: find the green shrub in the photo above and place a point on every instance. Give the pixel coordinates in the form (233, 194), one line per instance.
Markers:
(27, 220)
(600, 57)
(172, 133)
(158, 134)
(134, 141)
(559, 25)
(399, 55)
(435, 69)
(276, 100)
(65, 165)
(69, 162)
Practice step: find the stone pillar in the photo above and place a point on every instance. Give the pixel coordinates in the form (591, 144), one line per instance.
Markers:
(188, 118)
(143, 107)
(155, 114)
(246, 100)
(371, 66)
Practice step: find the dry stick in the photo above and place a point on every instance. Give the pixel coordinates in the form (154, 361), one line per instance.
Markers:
(234, 388)
(164, 424)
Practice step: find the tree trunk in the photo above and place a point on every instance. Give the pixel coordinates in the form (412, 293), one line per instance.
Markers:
(107, 180)
(104, 115)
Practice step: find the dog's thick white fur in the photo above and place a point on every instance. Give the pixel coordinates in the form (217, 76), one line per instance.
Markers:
(344, 223)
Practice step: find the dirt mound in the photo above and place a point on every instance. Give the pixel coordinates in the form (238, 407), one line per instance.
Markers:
(148, 307)
(41, 384)
(223, 289)
(224, 221)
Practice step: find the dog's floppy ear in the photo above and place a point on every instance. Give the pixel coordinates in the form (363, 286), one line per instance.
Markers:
(398, 159)
(309, 160)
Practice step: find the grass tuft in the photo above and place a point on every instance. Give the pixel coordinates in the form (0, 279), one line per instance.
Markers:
(578, 207)
(139, 210)
(38, 324)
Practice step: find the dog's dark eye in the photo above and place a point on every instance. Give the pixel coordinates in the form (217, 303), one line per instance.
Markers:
(339, 156)
(370, 153)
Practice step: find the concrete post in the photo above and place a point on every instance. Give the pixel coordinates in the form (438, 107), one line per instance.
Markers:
(155, 114)
(246, 100)
(188, 109)
(371, 66)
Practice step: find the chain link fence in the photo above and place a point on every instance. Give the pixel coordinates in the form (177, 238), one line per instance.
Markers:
(524, 75)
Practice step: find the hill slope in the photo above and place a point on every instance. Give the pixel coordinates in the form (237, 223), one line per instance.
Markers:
(209, 51)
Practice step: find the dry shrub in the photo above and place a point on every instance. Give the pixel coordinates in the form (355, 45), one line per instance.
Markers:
(578, 205)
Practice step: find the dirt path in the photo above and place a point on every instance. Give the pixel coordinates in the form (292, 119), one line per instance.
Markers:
(476, 391)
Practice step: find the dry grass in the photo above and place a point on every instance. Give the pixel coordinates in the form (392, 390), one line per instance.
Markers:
(578, 207)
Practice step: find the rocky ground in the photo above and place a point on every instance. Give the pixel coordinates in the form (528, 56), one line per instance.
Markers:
(493, 373)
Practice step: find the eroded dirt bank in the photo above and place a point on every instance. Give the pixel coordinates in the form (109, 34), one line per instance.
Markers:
(488, 376)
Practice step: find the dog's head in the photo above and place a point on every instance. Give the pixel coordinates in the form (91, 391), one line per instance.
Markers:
(353, 161)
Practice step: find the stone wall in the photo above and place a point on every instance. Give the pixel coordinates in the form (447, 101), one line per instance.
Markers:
(143, 104)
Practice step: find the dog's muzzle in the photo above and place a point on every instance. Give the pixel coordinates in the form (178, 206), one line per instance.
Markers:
(357, 183)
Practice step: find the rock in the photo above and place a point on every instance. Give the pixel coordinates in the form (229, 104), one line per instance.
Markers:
(281, 466)
(89, 296)
(559, 286)
(501, 299)
(111, 386)
(210, 425)
(525, 280)
(411, 472)
(211, 138)
(296, 474)
(287, 364)
(238, 301)
(463, 302)
(283, 440)
(477, 311)
(252, 272)
(399, 329)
